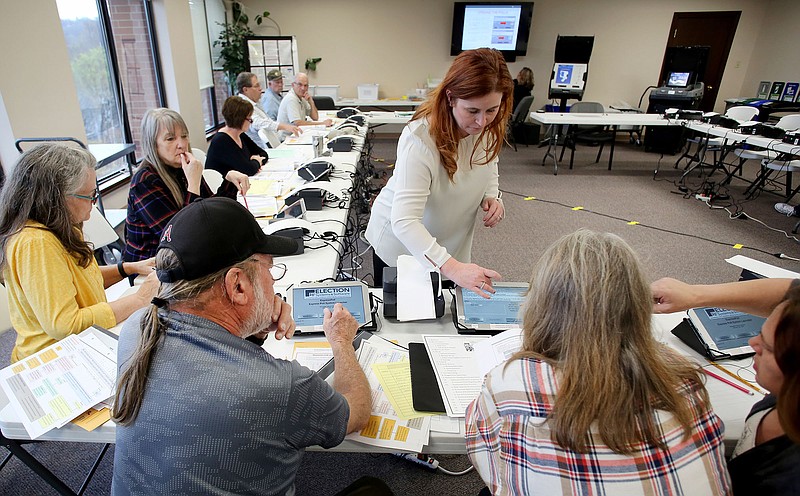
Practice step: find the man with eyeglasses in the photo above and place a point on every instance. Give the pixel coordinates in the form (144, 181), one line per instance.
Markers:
(298, 108)
(249, 88)
(200, 409)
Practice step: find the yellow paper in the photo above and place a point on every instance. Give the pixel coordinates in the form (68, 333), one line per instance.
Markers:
(91, 419)
(395, 379)
(259, 187)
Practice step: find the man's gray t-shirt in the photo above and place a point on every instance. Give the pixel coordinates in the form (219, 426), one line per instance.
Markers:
(220, 415)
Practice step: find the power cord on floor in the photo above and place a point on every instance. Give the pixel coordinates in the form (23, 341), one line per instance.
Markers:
(430, 463)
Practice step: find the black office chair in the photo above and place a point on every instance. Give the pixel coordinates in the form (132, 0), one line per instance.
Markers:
(519, 130)
(324, 103)
(588, 134)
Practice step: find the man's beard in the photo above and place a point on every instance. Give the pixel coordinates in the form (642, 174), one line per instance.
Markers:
(261, 316)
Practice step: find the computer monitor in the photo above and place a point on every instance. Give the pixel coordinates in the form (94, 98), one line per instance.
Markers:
(679, 79)
(568, 76)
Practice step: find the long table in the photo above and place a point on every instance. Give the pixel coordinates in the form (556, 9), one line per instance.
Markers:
(730, 404)
(732, 139)
(555, 121)
(385, 104)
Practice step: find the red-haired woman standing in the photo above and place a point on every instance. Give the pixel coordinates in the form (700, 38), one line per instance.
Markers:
(446, 173)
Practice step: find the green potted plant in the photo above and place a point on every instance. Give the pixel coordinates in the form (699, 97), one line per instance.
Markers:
(232, 40)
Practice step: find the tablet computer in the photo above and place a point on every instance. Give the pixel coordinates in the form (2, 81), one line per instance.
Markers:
(476, 314)
(309, 300)
(296, 210)
(726, 330)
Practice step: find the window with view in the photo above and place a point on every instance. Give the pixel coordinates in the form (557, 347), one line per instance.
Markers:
(113, 64)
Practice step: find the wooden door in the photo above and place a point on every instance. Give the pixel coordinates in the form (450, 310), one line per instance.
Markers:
(713, 29)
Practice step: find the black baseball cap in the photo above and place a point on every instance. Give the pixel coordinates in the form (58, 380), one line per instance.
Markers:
(212, 234)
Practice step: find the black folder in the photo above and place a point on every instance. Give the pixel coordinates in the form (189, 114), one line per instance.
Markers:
(686, 332)
(425, 394)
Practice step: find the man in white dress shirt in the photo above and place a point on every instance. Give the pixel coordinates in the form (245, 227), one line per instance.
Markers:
(250, 89)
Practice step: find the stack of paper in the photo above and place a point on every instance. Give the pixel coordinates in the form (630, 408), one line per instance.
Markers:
(49, 389)
(390, 424)
(461, 362)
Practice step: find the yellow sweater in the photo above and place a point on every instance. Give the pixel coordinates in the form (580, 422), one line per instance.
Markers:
(50, 296)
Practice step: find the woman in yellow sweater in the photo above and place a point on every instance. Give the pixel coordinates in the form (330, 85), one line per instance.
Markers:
(55, 286)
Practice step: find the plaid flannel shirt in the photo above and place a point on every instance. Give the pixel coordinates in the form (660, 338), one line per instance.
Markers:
(150, 207)
(511, 445)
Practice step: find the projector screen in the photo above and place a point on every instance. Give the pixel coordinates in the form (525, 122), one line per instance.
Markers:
(502, 26)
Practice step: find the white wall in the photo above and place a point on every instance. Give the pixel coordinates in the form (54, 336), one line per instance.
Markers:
(400, 44)
(179, 68)
(776, 56)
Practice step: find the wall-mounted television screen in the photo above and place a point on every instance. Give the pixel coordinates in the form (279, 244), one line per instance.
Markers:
(505, 26)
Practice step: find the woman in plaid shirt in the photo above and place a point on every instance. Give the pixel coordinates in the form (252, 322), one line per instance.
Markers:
(169, 178)
(593, 404)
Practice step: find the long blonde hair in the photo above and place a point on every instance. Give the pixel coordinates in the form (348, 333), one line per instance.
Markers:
(473, 74)
(588, 314)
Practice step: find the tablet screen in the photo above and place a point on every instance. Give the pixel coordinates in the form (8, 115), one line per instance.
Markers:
(308, 303)
(728, 329)
(501, 308)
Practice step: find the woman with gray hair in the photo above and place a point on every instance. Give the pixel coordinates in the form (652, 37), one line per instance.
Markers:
(55, 286)
(593, 404)
(169, 178)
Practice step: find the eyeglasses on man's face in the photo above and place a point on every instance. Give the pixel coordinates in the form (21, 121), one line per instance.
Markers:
(249, 119)
(277, 271)
(93, 198)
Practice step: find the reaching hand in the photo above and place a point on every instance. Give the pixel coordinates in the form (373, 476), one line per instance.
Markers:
(241, 181)
(471, 276)
(340, 327)
(671, 295)
(142, 267)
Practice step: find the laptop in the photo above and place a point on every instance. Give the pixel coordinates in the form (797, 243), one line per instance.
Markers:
(475, 314)
(309, 300)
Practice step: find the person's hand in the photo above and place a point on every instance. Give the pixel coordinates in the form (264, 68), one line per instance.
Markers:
(327, 122)
(282, 324)
(193, 170)
(149, 288)
(142, 267)
(671, 295)
(258, 158)
(471, 276)
(290, 128)
(340, 327)
(241, 181)
(495, 211)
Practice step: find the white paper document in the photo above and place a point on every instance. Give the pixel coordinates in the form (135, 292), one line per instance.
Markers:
(385, 428)
(414, 290)
(455, 364)
(260, 206)
(497, 349)
(54, 386)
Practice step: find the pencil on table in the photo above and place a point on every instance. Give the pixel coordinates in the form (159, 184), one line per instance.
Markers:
(743, 381)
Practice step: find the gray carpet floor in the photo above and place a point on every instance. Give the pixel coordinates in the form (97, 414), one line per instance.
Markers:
(675, 235)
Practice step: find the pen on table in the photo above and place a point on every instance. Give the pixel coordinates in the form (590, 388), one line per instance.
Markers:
(743, 381)
(726, 381)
